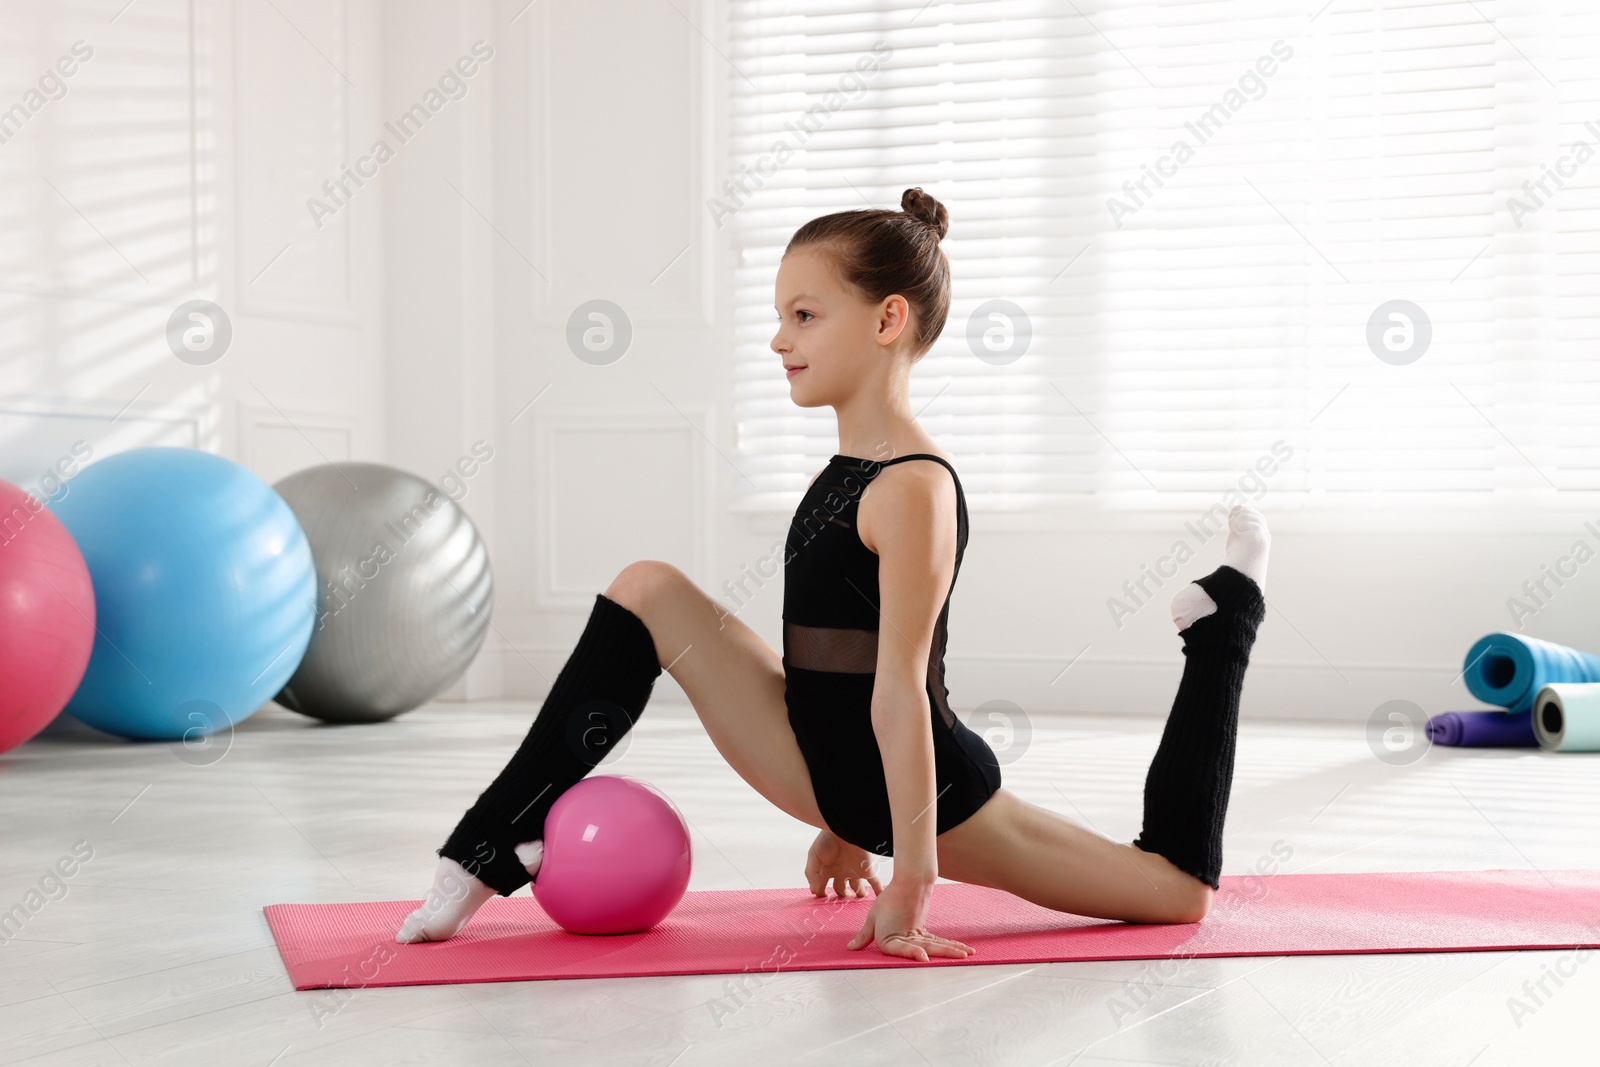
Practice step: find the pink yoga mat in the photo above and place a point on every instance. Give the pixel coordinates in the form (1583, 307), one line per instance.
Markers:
(731, 931)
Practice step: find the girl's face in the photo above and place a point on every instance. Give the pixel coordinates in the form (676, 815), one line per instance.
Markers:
(835, 338)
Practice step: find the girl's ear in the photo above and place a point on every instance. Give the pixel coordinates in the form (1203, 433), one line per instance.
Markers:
(893, 314)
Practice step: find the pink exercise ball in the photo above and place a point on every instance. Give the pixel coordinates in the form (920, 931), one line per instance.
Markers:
(46, 616)
(616, 857)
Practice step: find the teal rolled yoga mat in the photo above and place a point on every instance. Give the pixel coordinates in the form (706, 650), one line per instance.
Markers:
(1509, 669)
(1567, 717)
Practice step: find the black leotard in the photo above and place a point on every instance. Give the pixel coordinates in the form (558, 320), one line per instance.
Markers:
(830, 653)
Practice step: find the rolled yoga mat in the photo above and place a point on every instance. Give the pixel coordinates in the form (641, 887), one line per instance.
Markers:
(1567, 717)
(1508, 669)
(732, 931)
(1483, 729)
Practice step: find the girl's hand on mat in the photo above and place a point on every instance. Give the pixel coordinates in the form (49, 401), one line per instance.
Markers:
(845, 864)
(895, 923)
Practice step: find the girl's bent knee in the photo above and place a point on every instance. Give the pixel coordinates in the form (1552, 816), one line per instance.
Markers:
(641, 583)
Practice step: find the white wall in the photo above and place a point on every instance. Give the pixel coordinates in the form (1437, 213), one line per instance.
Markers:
(176, 166)
(431, 312)
(440, 391)
(582, 184)
(607, 140)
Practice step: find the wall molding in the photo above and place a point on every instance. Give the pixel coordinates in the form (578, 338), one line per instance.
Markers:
(342, 312)
(39, 433)
(699, 310)
(547, 594)
(252, 418)
(116, 413)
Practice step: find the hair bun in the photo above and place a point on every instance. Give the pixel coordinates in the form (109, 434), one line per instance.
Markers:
(920, 205)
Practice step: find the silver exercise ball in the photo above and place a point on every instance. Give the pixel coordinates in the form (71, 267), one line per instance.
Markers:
(404, 591)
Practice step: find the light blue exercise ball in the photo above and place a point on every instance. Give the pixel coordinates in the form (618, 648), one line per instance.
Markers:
(204, 592)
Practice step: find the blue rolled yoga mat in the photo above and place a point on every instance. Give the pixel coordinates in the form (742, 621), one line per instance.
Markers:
(1508, 669)
(1483, 729)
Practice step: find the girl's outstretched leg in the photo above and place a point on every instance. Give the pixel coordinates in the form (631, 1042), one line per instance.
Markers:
(1186, 789)
(598, 696)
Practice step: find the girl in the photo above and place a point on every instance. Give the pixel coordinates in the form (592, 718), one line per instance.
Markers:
(850, 729)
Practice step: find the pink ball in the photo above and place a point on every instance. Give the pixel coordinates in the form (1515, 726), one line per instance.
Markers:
(46, 616)
(616, 857)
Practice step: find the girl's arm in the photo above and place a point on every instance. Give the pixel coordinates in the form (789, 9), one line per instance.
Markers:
(908, 517)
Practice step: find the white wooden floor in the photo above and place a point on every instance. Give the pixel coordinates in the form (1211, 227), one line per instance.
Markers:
(159, 953)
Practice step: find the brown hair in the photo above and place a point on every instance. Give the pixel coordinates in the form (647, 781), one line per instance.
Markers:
(879, 253)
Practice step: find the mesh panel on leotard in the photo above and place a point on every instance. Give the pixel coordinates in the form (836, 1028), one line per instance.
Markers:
(840, 649)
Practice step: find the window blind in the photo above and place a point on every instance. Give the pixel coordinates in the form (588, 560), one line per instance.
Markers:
(1205, 213)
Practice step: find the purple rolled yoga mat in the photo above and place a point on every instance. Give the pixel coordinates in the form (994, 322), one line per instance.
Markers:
(1483, 729)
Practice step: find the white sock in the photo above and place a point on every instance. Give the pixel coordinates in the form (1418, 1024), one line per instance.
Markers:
(531, 853)
(1246, 552)
(456, 897)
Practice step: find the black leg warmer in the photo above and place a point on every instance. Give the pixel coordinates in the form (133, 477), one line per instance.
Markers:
(596, 699)
(1186, 790)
